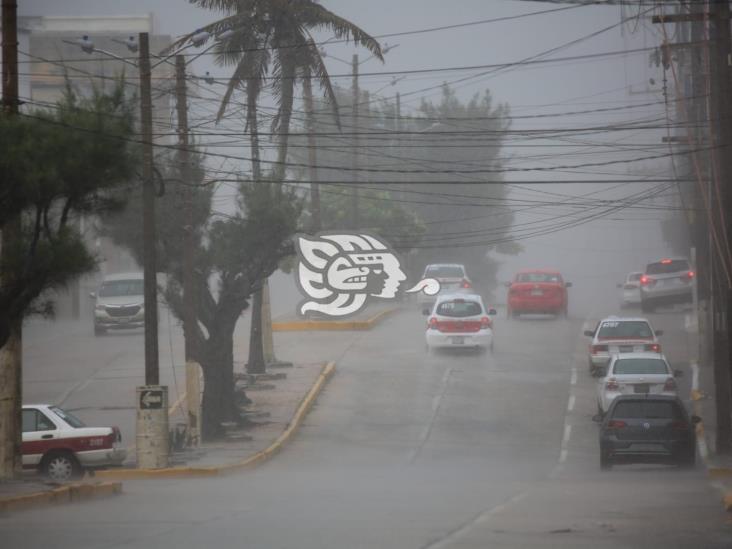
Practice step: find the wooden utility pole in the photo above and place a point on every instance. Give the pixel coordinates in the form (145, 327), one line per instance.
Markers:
(11, 365)
(152, 373)
(316, 223)
(355, 222)
(721, 121)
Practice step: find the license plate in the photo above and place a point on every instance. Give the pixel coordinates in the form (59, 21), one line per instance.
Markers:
(537, 292)
(625, 349)
(641, 388)
(457, 340)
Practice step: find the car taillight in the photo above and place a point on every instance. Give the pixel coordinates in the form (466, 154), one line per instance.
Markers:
(594, 349)
(485, 322)
(612, 385)
(679, 425)
(616, 424)
(647, 281)
(690, 275)
(432, 323)
(670, 384)
(653, 347)
(466, 284)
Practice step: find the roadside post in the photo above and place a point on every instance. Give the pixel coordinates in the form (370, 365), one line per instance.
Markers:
(152, 427)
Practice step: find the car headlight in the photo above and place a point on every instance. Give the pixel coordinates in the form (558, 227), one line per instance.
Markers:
(99, 308)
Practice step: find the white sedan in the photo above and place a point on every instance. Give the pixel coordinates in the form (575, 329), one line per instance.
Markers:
(61, 447)
(631, 289)
(459, 320)
(636, 373)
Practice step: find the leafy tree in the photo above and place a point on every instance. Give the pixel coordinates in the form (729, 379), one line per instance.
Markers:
(271, 47)
(232, 254)
(56, 165)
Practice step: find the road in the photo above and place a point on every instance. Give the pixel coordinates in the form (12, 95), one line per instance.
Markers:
(414, 450)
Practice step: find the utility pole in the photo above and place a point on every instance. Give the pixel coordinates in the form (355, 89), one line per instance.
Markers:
(193, 388)
(721, 87)
(11, 365)
(355, 222)
(152, 399)
(315, 212)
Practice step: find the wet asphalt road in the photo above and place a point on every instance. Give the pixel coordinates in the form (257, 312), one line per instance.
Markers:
(410, 450)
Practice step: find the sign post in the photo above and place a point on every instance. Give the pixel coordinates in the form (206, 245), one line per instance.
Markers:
(152, 427)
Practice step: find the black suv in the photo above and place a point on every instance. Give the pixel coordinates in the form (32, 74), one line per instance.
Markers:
(647, 428)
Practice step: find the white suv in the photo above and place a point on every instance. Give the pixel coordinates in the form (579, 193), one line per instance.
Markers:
(119, 303)
(666, 281)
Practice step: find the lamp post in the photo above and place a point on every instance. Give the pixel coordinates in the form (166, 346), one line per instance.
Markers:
(152, 398)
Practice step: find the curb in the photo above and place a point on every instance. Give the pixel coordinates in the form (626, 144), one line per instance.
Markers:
(70, 493)
(331, 325)
(195, 472)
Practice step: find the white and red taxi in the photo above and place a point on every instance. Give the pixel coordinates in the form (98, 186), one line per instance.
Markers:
(459, 320)
(618, 335)
(61, 447)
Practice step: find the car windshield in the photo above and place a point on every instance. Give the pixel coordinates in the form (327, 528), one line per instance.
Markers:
(640, 366)
(667, 266)
(459, 308)
(626, 329)
(68, 417)
(444, 271)
(119, 288)
(538, 277)
(640, 409)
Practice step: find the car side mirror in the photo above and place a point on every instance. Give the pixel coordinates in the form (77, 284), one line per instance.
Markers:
(678, 373)
(597, 418)
(659, 332)
(695, 420)
(589, 333)
(93, 295)
(492, 312)
(426, 312)
(567, 284)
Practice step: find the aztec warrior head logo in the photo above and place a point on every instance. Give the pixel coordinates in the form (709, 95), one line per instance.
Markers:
(338, 273)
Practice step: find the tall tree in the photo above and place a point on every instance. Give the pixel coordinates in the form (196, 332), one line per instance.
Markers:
(272, 48)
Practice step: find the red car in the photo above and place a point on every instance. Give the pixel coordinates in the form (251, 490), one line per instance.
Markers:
(537, 292)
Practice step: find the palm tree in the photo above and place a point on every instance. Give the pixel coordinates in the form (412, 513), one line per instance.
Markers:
(271, 46)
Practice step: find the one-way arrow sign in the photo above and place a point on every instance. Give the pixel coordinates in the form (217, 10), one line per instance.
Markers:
(151, 399)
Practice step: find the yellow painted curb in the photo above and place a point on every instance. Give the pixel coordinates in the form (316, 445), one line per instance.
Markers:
(191, 472)
(63, 494)
(331, 325)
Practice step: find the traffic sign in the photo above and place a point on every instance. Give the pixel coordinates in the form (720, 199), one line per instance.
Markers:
(151, 399)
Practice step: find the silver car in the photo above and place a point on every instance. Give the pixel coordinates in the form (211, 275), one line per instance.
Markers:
(666, 281)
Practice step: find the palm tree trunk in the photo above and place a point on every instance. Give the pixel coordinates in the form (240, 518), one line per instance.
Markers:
(315, 213)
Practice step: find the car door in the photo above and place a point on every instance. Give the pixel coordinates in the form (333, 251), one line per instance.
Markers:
(40, 434)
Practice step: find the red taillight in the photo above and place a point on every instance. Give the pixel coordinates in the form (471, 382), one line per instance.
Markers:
(690, 275)
(432, 325)
(485, 322)
(666, 262)
(594, 349)
(616, 424)
(647, 281)
(670, 384)
(612, 385)
(679, 425)
(466, 284)
(653, 347)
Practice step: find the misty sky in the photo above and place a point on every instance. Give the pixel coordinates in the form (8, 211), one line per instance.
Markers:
(604, 249)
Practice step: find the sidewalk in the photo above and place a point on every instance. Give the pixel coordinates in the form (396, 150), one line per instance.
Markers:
(363, 320)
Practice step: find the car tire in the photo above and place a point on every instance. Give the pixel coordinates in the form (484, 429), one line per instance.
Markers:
(647, 306)
(599, 410)
(60, 467)
(98, 330)
(606, 462)
(687, 460)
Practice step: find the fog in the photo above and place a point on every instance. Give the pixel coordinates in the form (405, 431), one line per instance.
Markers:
(410, 445)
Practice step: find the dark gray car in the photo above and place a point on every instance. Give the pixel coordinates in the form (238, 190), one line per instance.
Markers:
(647, 428)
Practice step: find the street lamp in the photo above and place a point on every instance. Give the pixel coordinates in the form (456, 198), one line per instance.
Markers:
(152, 409)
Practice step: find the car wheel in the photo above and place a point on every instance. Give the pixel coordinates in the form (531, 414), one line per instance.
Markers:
(647, 306)
(60, 466)
(687, 460)
(98, 330)
(606, 462)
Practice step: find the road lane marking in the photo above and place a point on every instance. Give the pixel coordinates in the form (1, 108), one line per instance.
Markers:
(573, 379)
(567, 434)
(452, 536)
(570, 404)
(436, 403)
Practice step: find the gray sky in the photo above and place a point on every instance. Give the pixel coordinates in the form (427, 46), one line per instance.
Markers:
(608, 247)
